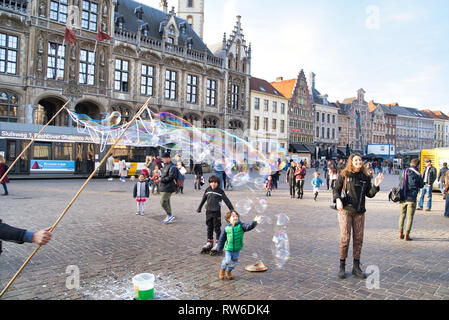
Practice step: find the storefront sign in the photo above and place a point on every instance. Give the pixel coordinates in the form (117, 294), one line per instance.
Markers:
(51, 166)
(44, 136)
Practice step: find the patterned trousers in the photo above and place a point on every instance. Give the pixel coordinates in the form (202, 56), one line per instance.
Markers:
(351, 221)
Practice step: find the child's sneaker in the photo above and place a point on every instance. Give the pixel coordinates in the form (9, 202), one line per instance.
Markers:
(137, 213)
(207, 247)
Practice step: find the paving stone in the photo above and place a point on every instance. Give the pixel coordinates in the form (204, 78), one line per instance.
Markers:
(110, 244)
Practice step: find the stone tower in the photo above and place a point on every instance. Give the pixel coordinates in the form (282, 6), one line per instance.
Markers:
(193, 12)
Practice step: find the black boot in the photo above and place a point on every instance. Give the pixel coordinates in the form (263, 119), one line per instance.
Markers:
(342, 272)
(356, 271)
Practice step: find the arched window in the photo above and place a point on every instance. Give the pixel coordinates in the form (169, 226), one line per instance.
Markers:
(9, 103)
(124, 111)
(210, 122)
(235, 124)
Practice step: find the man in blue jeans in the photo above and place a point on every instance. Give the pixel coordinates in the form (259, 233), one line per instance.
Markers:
(429, 177)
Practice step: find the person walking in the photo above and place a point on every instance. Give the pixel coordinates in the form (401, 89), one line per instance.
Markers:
(168, 186)
(181, 177)
(290, 180)
(411, 183)
(446, 194)
(429, 177)
(326, 166)
(110, 167)
(3, 169)
(123, 170)
(269, 186)
(156, 180)
(316, 184)
(353, 185)
(442, 175)
(300, 174)
(219, 170)
(198, 171)
(333, 176)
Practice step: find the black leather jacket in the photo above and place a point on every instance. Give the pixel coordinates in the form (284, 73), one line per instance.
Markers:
(358, 186)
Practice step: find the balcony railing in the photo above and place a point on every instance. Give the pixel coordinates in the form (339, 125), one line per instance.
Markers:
(133, 37)
(14, 5)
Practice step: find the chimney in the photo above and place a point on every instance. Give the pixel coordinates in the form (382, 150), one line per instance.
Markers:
(163, 5)
(279, 79)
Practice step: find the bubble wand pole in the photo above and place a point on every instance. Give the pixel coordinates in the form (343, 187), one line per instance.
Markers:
(76, 196)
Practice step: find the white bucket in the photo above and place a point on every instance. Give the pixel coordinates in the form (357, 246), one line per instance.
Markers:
(143, 286)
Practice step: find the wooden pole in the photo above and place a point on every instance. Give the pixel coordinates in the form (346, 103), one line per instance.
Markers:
(29, 144)
(76, 196)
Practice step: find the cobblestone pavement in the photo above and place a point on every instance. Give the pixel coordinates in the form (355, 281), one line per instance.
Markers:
(104, 238)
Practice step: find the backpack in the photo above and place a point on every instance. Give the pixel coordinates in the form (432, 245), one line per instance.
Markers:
(397, 193)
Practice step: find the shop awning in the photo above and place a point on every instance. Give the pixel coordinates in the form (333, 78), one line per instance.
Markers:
(298, 148)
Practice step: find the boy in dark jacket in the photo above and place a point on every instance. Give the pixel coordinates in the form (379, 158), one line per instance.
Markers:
(214, 196)
(231, 239)
(412, 183)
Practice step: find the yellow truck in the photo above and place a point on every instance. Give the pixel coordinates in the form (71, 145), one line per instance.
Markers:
(438, 157)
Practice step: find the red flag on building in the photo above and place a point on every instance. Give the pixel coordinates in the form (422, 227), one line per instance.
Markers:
(69, 35)
(102, 36)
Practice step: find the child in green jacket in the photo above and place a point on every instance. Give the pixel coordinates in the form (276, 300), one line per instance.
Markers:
(231, 239)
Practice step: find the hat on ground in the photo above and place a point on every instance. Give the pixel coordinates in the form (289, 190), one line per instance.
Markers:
(258, 267)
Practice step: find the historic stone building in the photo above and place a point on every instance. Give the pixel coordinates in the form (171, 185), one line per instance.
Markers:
(153, 53)
(383, 124)
(325, 121)
(441, 125)
(359, 121)
(268, 117)
(300, 108)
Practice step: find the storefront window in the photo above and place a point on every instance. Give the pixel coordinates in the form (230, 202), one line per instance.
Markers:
(63, 151)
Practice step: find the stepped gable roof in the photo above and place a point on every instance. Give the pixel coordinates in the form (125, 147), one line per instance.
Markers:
(264, 86)
(285, 87)
(155, 19)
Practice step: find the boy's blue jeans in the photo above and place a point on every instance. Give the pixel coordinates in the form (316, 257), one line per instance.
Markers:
(230, 260)
(426, 189)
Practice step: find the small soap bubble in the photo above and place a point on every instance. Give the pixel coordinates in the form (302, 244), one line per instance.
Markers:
(282, 219)
(244, 206)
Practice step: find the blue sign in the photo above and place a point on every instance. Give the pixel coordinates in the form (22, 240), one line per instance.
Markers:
(52, 166)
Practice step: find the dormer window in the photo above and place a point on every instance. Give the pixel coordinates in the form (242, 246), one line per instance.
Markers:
(119, 21)
(170, 40)
(144, 29)
(139, 12)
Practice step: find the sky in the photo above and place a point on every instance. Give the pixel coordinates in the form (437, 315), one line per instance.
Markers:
(396, 50)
